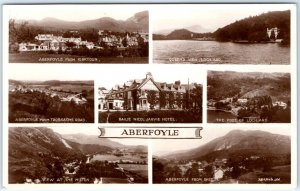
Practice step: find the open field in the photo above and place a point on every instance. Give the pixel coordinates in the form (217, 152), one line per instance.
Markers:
(108, 157)
(136, 168)
(31, 57)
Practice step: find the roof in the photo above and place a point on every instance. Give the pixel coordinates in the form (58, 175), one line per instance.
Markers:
(162, 86)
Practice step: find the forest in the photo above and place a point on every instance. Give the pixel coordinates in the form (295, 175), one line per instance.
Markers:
(254, 28)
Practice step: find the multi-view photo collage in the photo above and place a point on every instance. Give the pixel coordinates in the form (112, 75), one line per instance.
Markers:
(150, 94)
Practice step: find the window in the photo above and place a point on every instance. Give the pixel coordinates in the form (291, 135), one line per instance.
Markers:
(144, 102)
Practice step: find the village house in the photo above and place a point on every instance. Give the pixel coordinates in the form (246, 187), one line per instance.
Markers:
(242, 100)
(133, 94)
(102, 92)
(111, 39)
(280, 104)
(48, 42)
(218, 174)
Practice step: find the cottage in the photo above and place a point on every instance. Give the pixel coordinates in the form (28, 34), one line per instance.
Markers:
(218, 174)
(280, 104)
(242, 100)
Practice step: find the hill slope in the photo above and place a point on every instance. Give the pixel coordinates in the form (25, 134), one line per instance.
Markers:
(238, 142)
(138, 22)
(254, 28)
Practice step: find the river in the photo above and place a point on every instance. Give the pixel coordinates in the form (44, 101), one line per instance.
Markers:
(213, 52)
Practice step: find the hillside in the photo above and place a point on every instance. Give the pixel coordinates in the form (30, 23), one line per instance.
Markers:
(239, 143)
(52, 82)
(138, 22)
(254, 28)
(180, 34)
(105, 142)
(248, 84)
(91, 139)
(33, 150)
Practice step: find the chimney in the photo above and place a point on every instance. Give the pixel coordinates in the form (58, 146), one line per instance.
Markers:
(148, 75)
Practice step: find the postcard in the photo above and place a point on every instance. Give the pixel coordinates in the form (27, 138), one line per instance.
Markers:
(149, 96)
(107, 34)
(152, 96)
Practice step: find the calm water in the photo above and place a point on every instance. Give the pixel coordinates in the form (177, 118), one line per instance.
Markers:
(185, 51)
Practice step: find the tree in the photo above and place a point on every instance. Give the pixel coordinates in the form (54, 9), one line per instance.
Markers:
(151, 98)
(193, 172)
(125, 42)
(208, 170)
(70, 44)
(179, 100)
(162, 99)
(171, 100)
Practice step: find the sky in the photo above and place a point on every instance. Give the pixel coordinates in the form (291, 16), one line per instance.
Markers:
(73, 12)
(210, 17)
(161, 147)
(95, 131)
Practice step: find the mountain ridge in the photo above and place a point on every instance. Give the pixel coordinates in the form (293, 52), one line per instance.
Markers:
(239, 142)
(137, 23)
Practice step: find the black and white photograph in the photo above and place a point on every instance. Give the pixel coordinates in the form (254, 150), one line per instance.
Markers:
(64, 155)
(222, 34)
(47, 97)
(225, 156)
(78, 34)
(152, 96)
(249, 97)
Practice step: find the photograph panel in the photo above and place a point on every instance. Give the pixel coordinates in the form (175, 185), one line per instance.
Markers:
(225, 156)
(152, 96)
(47, 96)
(107, 34)
(222, 34)
(63, 155)
(249, 97)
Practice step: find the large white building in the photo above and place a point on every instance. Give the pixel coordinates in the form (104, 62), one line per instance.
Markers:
(133, 94)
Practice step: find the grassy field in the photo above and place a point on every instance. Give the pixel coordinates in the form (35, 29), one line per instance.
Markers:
(31, 57)
(73, 88)
(142, 170)
(277, 175)
(103, 157)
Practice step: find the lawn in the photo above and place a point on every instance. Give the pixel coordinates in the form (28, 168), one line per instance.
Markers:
(139, 169)
(33, 57)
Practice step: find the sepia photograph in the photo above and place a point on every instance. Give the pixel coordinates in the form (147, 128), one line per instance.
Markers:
(222, 34)
(64, 155)
(78, 34)
(152, 96)
(225, 156)
(47, 97)
(249, 97)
